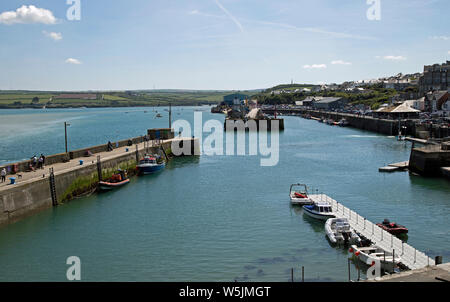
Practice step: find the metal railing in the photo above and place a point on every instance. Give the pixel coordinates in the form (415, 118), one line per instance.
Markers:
(410, 257)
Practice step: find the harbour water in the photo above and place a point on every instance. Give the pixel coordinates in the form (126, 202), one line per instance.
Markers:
(213, 218)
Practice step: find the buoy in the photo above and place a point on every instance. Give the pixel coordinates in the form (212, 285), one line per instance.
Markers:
(373, 263)
(357, 253)
(350, 250)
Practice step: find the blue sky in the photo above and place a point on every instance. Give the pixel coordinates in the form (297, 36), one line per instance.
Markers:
(215, 44)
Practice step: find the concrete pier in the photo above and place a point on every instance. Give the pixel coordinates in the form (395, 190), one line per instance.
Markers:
(32, 193)
(438, 273)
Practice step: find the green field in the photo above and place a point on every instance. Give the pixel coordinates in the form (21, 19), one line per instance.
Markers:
(23, 99)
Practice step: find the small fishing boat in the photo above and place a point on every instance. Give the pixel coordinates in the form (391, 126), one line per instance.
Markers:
(149, 165)
(339, 231)
(299, 195)
(343, 123)
(158, 115)
(392, 227)
(319, 210)
(117, 180)
(370, 254)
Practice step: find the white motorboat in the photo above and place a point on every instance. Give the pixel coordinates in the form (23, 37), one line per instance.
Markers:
(299, 195)
(339, 231)
(320, 210)
(369, 255)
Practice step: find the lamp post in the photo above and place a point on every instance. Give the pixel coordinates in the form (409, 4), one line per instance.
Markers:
(65, 132)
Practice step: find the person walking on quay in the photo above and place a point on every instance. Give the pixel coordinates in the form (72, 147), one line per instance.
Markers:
(3, 174)
(41, 162)
(35, 161)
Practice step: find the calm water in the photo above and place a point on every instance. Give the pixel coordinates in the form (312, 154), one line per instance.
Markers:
(214, 218)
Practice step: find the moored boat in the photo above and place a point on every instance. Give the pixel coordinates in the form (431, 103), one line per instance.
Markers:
(370, 254)
(338, 231)
(343, 123)
(392, 227)
(149, 165)
(299, 195)
(319, 210)
(117, 180)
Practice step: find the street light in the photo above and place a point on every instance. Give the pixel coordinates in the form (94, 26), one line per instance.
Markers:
(65, 131)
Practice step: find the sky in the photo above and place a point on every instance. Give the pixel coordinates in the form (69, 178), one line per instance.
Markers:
(215, 44)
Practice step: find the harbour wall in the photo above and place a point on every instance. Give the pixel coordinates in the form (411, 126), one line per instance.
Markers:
(31, 196)
(429, 160)
(23, 166)
(378, 125)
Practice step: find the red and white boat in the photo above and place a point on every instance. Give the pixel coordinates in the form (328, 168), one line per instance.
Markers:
(117, 180)
(299, 195)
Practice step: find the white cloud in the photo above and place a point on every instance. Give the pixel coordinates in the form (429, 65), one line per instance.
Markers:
(27, 15)
(53, 35)
(392, 58)
(315, 66)
(445, 38)
(73, 61)
(340, 62)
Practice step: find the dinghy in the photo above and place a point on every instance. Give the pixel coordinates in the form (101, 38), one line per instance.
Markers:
(392, 227)
(117, 180)
(339, 231)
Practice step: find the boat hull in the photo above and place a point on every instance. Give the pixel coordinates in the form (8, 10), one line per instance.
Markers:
(150, 169)
(394, 231)
(301, 201)
(107, 186)
(320, 216)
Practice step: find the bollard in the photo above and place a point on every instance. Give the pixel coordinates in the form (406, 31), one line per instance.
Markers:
(349, 276)
(364, 224)
(415, 252)
(303, 274)
(292, 274)
(393, 260)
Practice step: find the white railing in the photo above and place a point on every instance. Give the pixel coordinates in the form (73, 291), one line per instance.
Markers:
(410, 256)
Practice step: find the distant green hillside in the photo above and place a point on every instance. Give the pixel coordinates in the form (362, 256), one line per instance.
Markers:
(30, 99)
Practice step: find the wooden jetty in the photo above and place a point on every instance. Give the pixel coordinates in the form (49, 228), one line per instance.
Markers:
(410, 257)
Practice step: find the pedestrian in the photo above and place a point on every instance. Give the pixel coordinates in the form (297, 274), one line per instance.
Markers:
(41, 162)
(3, 174)
(35, 161)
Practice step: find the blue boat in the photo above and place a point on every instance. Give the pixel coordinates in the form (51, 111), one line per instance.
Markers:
(149, 165)
(322, 211)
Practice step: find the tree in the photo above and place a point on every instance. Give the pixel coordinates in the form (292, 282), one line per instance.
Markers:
(35, 100)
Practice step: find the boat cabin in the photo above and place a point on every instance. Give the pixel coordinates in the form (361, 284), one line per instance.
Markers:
(148, 160)
(322, 208)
